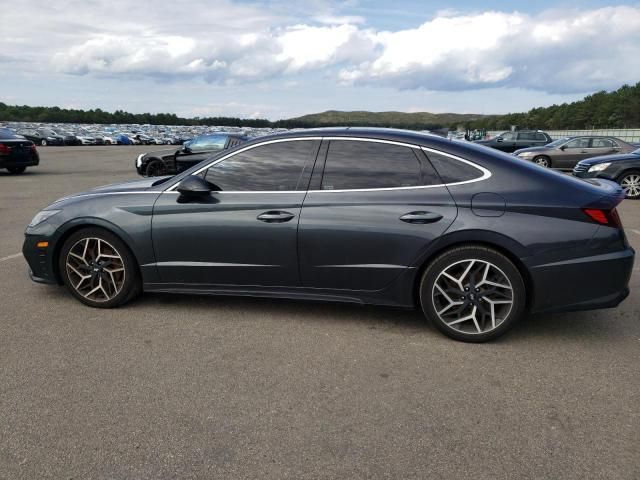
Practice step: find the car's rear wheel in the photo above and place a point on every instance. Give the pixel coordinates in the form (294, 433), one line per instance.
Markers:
(472, 293)
(630, 183)
(98, 268)
(543, 161)
(16, 170)
(156, 168)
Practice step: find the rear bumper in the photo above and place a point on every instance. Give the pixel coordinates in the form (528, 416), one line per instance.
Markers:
(30, 161)
(600, 281)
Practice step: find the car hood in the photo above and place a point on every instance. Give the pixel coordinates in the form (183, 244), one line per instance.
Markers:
(531, 149)
(610, 158)
(161, 153)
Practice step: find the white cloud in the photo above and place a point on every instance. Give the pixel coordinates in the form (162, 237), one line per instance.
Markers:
(226, 42)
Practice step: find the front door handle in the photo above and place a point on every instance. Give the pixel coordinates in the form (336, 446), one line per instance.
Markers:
(421, 217)
(274, 216)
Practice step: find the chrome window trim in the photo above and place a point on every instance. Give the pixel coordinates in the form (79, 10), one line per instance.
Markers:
(485, 172)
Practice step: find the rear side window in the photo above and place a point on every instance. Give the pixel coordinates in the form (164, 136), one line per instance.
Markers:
(541, 136)
(452, 170)
(526, 136)
(601, 143)
(361, 165)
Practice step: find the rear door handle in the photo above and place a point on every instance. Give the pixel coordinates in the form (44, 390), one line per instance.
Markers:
(274, 216)
(421, 217)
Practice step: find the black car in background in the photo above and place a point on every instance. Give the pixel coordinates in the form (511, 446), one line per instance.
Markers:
(511, 141)
(69, 138)
(375, 216)
(16, 152)
(624, 169)
(171, 161)
(42, 137)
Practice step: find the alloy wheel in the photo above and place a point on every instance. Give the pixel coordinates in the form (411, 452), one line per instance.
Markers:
(542, 161)
(95, 269)
(472, 296)
(631, 185)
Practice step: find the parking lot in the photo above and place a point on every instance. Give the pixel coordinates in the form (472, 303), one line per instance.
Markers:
(217, 387)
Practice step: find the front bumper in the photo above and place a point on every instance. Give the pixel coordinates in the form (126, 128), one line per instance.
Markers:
(40, 260)
(599, 281)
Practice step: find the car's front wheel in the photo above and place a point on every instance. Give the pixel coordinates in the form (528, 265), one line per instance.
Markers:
(43, 142)
(542, 161)
(472, 293)
(156, 168)
(630, 183)
(98, 268)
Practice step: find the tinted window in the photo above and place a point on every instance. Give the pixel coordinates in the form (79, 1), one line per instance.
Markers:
(452, 170)
(210, 142)
(273, 167)
(526, 136)
(356, 164)
(578, 143)
(601, 143)
(541, 136)
(508, 136)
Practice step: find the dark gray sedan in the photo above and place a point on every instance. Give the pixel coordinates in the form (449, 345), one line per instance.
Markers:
(566, 152)
(375, 216)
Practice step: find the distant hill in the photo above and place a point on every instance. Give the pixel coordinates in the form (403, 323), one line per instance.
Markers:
(415, 121)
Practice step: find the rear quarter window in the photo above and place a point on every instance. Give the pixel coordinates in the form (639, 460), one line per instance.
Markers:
(452, 170)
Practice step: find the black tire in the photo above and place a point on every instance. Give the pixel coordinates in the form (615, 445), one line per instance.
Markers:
(156, 168)
(43, 142)
(632, 189)
(543, 161)
(16, 170)
(131, 284)
(471, 301)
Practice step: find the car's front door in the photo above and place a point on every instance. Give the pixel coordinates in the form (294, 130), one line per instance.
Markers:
(371, 213)
(571, 153)
(244, 234)
(506, 142)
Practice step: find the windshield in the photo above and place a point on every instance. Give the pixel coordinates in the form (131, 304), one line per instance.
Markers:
(558, 142)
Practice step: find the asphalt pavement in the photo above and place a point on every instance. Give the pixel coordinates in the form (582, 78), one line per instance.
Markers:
(217, 387)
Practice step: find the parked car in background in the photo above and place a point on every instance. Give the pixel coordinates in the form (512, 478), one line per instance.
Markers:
(42, 137)
(16, 152)
(623, 168)
(566, 152)
(512, 141)
(375, 216)
(172, 161)
(69, 137)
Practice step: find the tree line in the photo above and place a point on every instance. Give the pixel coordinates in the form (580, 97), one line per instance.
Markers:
(617, 109)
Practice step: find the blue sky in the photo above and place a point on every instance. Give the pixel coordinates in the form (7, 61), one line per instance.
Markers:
(278, 59)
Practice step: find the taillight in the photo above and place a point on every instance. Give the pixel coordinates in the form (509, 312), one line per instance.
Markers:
(610, 218)
(33, 148)
(6, 149)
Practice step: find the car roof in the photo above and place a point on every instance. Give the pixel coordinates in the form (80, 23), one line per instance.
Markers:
(374, 133)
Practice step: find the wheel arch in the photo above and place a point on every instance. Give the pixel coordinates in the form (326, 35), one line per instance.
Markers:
(78, 224)
(508, 247)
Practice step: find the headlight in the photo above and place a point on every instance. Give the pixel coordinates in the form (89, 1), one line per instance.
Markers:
(598, 167)
(139, 160)
(525, 154)
(42, 216)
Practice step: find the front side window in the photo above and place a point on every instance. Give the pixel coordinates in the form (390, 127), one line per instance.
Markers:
(272, 167)
(578, 143)
(507, 136)
(355, 164)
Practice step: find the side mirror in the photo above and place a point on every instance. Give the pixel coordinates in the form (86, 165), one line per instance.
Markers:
(563, 147)
(194, 186)
(499, 139)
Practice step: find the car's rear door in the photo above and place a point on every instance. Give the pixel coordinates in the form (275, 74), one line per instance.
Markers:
(370, 212)
(245, 234)
(602, 146)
